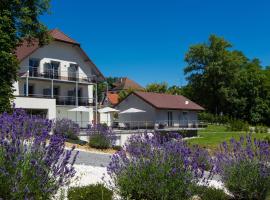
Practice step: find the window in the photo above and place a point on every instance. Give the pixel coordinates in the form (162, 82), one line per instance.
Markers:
(55, 67)
(72, 72)
(170, 118)
(30, 90)
(47, 92)
(33, 66)
(51, 70)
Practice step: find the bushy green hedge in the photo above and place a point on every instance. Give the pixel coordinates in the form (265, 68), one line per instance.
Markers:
(213, 119)
(90, 192)
(238, 125)
(209, 193)
(99, 141)
(261, 129)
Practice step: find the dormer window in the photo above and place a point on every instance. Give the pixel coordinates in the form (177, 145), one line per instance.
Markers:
(72, 72)
(33, 66)
(51, 70)
(55, 67)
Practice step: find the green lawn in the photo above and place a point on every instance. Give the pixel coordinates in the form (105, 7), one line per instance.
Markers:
(214, 135)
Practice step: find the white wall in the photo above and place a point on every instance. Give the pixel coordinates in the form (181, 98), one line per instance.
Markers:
(106, 118)
(152, 114)
(132, 101)
(178, 117)
(37, 103)
(83, 120)
(64, 53)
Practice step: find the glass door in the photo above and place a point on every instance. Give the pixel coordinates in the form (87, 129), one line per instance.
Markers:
(170, 118)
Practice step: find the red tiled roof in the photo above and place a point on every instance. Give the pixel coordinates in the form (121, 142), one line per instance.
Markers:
(26, 48)
(168, 101)
(126, 83)
(59, 35)
(113, 98)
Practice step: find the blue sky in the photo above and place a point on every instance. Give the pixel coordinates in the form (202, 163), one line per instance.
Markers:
(146, 40)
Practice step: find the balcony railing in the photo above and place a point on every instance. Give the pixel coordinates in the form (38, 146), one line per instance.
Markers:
(63, 75)
(67, 100)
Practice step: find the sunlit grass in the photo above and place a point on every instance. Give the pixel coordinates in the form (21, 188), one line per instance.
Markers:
(214, 135)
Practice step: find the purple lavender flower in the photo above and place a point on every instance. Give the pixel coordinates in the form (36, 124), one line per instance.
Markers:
(66, 127)
(101, 136)
(244, 167)
(34, 163)
(157, 167)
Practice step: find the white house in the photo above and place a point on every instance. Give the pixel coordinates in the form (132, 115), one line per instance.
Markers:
(55, 78)
(161, 111)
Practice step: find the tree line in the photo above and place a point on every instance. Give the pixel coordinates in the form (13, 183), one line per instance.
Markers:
(225, 81)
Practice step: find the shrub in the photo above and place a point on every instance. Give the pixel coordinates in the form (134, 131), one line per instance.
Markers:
(90, 192)
(155, 167)
(117, 148)
(66, 127)
(238, 125)
(214, 119)
(100, 136)
(261, 129)
(99, 141)
(267, 138)
(210, 193)
(33, 163)
(244, 168)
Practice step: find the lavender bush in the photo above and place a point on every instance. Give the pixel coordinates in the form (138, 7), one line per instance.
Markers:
(244, 167)
(100, 136)
(33, 163)
(66, 127)
(156, 167)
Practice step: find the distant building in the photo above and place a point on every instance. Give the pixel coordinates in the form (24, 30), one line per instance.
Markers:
(126, 84)
(123, 84)
(161, 110)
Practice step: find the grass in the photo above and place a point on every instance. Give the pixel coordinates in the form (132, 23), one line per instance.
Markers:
(214, 135)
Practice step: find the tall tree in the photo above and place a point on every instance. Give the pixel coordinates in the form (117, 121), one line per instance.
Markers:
(252, 100)
(157, 87)
(175, 90)
(210, 72)
(19, 19)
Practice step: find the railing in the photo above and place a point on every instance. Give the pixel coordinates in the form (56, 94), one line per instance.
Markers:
(64, 75)
(67, 100)
(160, 124)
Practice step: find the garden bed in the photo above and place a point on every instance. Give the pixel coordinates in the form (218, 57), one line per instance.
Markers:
(86, 147)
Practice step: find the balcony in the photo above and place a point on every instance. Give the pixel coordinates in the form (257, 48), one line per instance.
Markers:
(57, 75)
(66, 100)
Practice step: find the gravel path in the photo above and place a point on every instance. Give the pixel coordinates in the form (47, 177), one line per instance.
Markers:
(93, 159)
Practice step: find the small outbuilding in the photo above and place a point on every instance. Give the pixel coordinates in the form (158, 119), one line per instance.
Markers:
(161, 111)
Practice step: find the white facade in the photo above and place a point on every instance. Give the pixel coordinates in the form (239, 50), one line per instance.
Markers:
(64, 78)
(37, 104)
(153, 116)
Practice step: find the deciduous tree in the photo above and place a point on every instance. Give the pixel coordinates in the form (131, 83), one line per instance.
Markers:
(19, 19)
